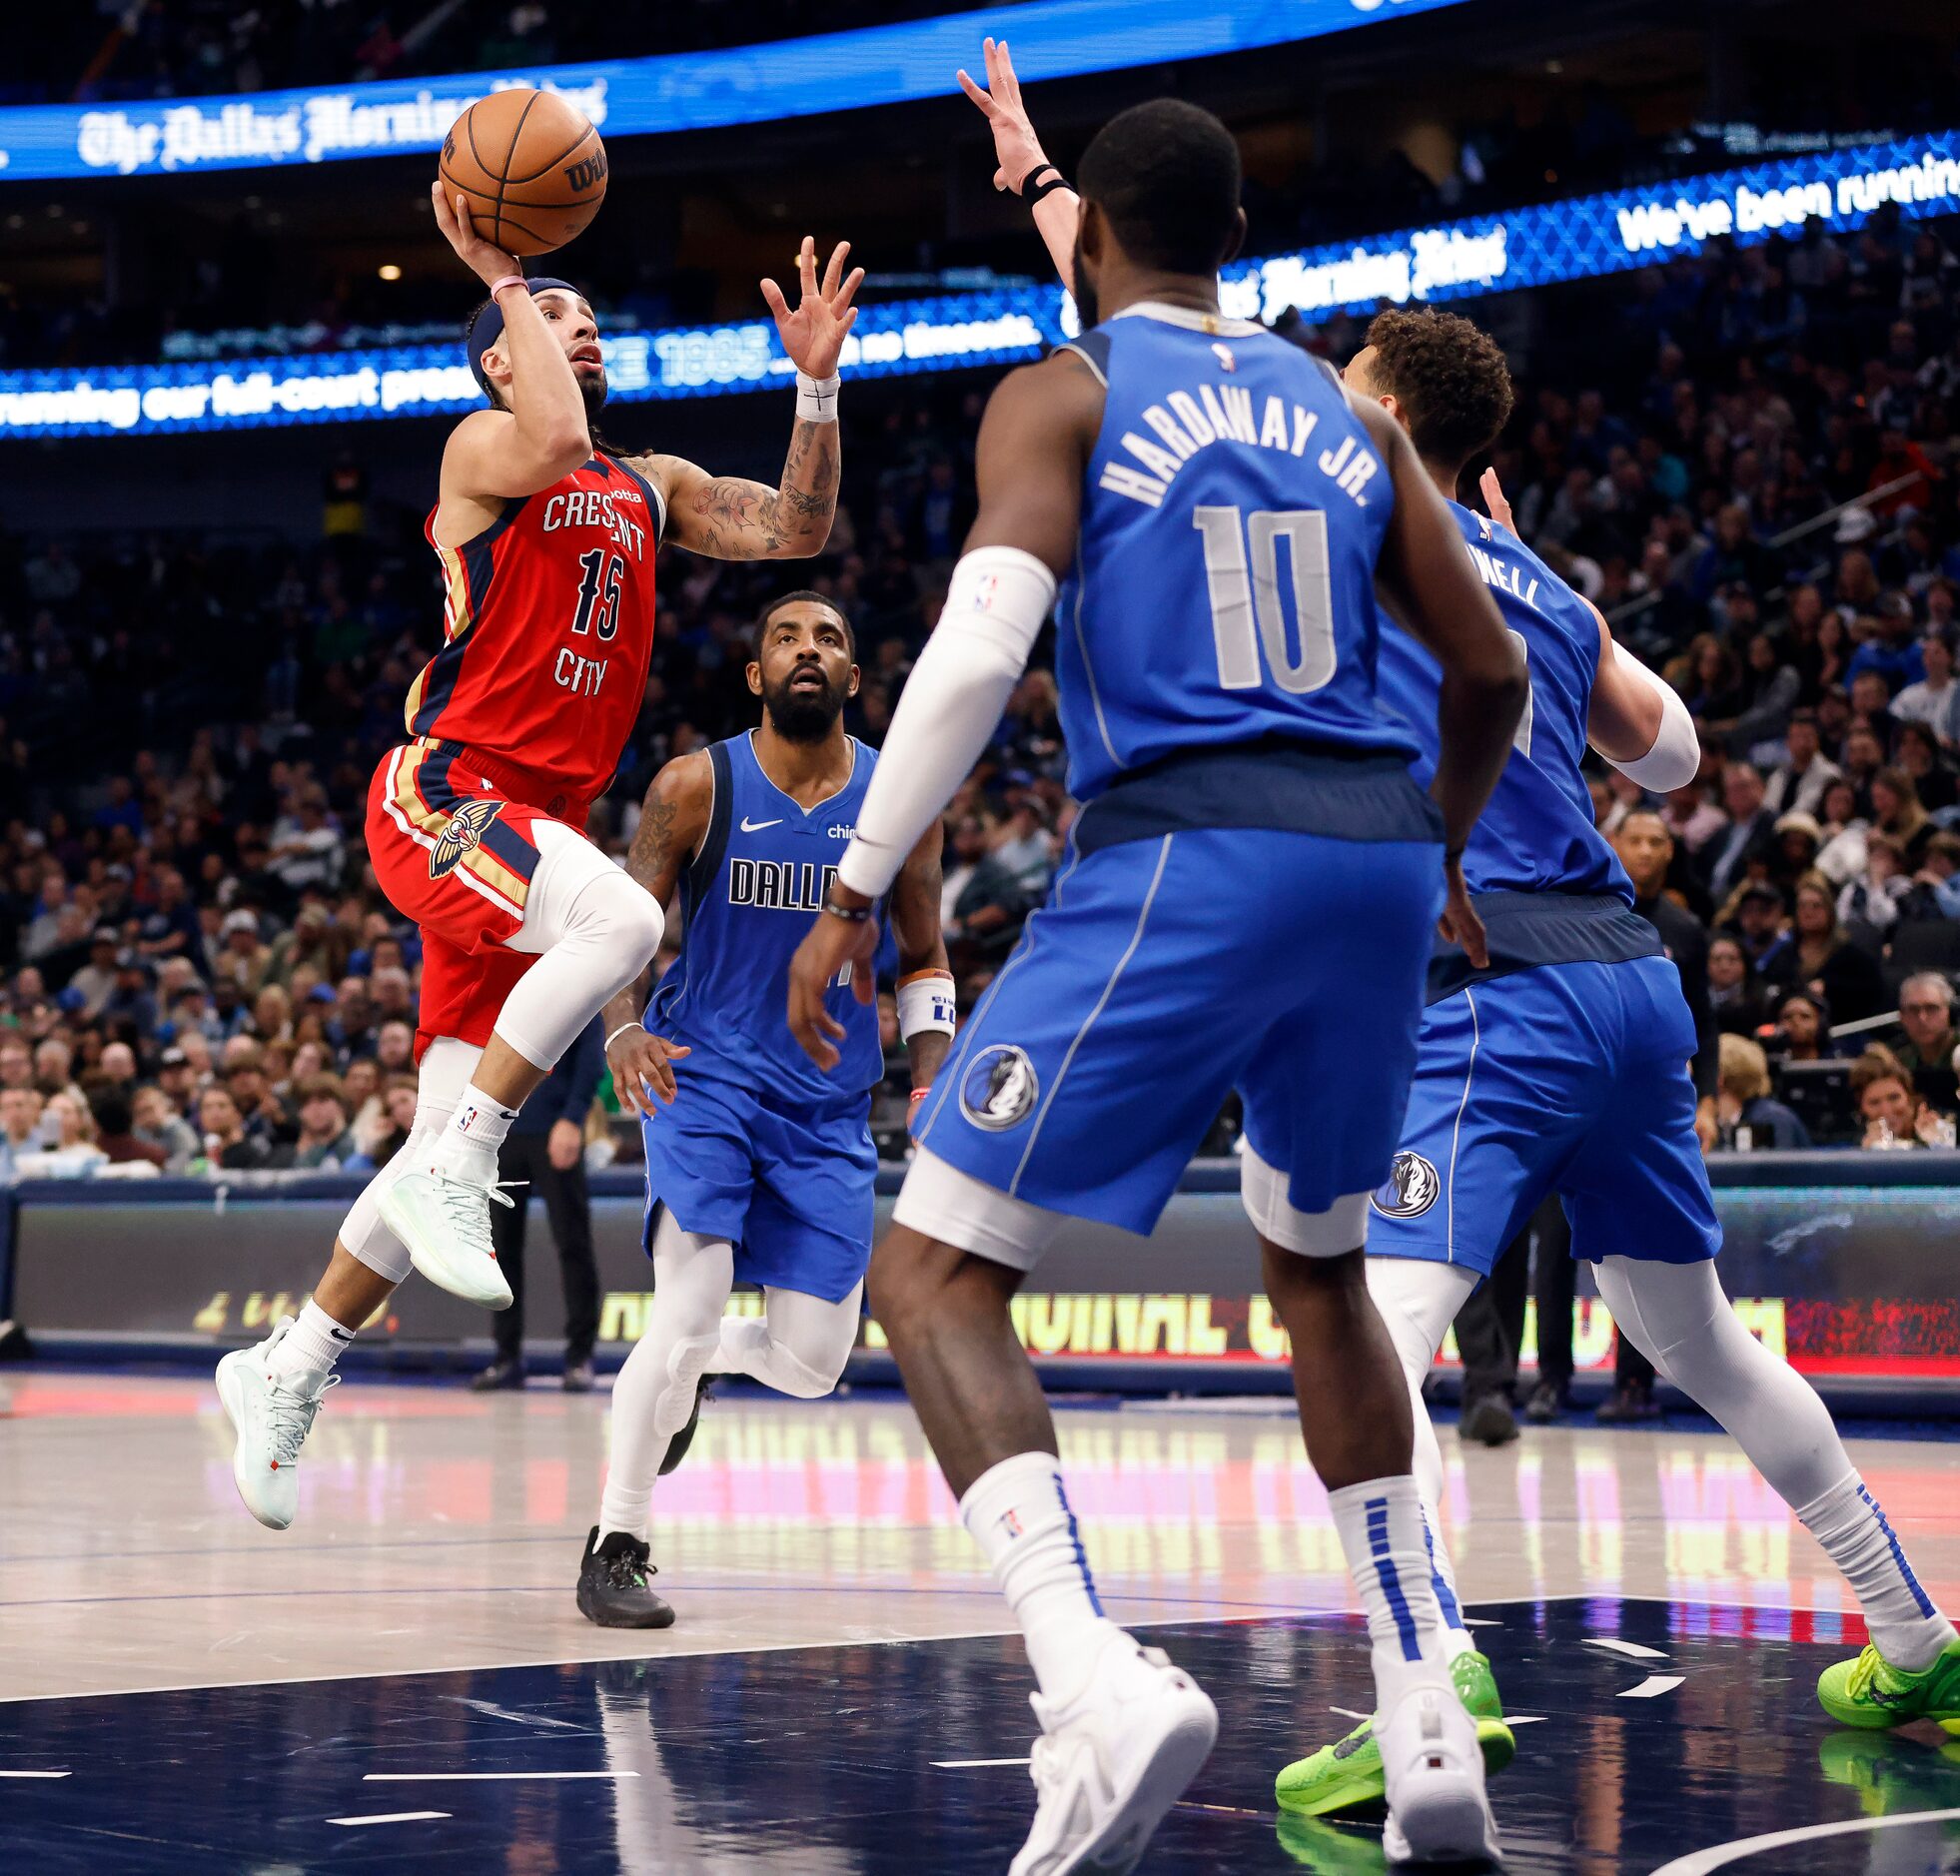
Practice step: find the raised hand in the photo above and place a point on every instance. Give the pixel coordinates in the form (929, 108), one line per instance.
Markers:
(813, 334)
(1495, 499)
(490, 264)
(1017, 149)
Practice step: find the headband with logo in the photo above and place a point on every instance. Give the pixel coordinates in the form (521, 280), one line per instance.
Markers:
(487, 327)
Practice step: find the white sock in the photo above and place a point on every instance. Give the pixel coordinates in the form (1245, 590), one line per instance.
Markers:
(1018, 1512)
(308, 1350)
(475, 1130)
(1443, 1579)
(1851, 1525)
(1386, 1546)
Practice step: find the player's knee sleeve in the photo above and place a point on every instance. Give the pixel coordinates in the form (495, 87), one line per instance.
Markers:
(594, 930)
(443, 1072)
(1418, 1299)
(1331, 1234)
(798, 1347)
(1678, 1317)
(361, 1232)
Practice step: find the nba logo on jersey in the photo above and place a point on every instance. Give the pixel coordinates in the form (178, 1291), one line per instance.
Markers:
(470, 821)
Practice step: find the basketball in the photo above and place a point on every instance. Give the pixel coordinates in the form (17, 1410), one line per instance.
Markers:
(531, 166)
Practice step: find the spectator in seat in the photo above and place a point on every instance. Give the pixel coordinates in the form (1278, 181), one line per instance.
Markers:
(1921, 757)
(97, 978)
(1735, 999)
(70, 1151)
(1797, 784)
(1897, 810)
(227, 1143)
(1803, 1022)
(1895, 1117)
(1926, 1014)
(1822, 959)
(990, 906)
(397, 1118)
(20, 1127)
(1936, 886)
(1760, 926)
(1876, 896)
(1798, 838)
(1750, 1121)
(264, 1115)
(1935, 699)
(324, 1143)
(1751, 826)
(244, 958)
(1842, 856)
(115, 1129)
(156, 1124)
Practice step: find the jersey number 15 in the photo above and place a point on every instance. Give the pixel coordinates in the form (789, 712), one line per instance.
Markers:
(1248, 614)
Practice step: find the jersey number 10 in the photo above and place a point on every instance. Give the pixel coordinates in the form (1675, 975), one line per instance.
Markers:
(1247, 610)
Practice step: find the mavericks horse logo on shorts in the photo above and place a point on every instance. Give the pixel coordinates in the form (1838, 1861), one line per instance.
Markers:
(999, 1087)
(1410, 1190)
(470, 821)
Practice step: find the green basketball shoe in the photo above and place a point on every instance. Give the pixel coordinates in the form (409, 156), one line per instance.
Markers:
(1348, 1774)
(1871, 1692)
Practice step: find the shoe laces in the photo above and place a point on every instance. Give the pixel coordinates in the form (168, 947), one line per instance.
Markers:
(630, 1570)
(289, 1419)
(460, 1199)
(1864, 1671)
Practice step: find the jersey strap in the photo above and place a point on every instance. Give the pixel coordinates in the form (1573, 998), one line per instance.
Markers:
(1527, 929)
(715, 843)
(1092, 347)
(1274, 782)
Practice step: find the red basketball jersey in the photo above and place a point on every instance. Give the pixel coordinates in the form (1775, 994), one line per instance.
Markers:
(548, 631)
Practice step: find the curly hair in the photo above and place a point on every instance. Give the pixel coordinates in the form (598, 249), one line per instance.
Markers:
(1448, 376)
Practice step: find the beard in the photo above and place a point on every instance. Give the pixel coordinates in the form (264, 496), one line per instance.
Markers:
(1085, 288)
(803, 715)
(593, 390)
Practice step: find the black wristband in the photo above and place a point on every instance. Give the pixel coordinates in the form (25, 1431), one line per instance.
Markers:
(850, 914)
(1032, 192)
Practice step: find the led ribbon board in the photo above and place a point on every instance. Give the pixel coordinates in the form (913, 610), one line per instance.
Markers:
(671, 92)
(1572, 239)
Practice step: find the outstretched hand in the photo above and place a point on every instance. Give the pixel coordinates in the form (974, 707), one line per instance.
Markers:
(1494, 500)
(813, 334)
(1017, 149)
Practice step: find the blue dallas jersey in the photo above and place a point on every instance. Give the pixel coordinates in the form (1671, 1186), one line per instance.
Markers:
(1224, 586)
(1537, 834)
(746, 902)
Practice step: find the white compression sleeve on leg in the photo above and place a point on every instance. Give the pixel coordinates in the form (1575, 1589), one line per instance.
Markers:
(951, 704)
(593, 929)
(655, 1393)
(1675, 758)
(798, 1346)
(1680, 1321)
(446, 1066)
(1418, 1301)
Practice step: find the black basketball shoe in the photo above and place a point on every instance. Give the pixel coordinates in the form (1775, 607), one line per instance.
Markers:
(678, 1445)
(615, 1589)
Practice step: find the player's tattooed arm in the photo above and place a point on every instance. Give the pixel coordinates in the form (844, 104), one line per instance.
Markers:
(673, 821)
(921, 941)
(728, 518)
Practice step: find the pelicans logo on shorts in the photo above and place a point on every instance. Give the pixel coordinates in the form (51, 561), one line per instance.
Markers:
(1410, 1190)
(470, 821)
(999, 1087)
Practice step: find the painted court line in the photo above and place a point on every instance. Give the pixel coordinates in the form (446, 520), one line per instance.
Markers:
(1632, 1649)
(37, 1774)
(1701, 1862)
(389, 1817)
(958, 1765)
(475, 1778)
(1653, 1687)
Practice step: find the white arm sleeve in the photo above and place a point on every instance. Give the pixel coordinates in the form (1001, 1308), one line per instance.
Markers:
(1675, 758)
(952, 703)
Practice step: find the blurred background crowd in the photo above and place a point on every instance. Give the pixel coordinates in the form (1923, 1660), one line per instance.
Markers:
(1747, 459)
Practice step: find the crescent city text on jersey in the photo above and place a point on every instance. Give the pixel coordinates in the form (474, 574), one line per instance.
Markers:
(1186, 423)
(598, 508)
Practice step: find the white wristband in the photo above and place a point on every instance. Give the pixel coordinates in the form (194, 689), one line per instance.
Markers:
(926, 1002)
(817, 397)
(622, 1029)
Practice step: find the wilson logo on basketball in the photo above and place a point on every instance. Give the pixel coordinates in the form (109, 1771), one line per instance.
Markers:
(582, 175)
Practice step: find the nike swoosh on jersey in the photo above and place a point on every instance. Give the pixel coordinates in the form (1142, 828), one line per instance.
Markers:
(755, 828)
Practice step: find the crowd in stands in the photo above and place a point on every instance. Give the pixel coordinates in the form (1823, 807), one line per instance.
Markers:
(200, 973)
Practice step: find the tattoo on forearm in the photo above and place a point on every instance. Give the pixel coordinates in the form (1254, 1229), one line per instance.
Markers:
(742, 520)
(652, 850)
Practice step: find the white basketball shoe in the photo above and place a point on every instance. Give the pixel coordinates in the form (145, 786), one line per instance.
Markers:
(443, 1216)
(271, 1422)
(1110, 1763)
(1433, 1766)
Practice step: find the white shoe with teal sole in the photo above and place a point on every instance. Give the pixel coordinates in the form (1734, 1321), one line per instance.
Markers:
(443, 1219)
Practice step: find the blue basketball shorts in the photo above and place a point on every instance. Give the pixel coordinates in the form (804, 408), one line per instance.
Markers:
(1162, 974)
(790, 1186)
(1565, 1078)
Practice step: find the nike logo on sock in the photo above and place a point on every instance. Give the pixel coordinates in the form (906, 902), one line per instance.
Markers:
(341, 1335)
(755, 828)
